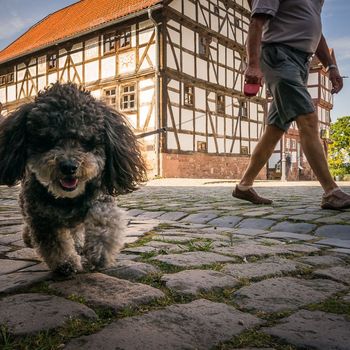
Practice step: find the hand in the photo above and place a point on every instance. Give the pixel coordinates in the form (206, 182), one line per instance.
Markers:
(336, 80)
(253, 75)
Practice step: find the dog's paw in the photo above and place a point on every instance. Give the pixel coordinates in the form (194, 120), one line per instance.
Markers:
(68, 268)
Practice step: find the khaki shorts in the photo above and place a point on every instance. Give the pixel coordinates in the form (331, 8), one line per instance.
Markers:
(286, 72)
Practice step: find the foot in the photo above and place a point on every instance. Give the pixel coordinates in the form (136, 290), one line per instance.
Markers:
(337, 199)
(250, 195)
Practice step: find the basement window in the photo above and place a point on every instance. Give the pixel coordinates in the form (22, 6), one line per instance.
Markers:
(128, 97)
(108, 43)
(52, 61)
(201, 146)
(244, 150)
(189, 95)
(125, 38)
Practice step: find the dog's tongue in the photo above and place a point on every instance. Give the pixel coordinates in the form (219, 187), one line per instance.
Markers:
(69, 183)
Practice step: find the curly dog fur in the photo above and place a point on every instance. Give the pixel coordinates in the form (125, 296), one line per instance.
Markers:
(72, 154)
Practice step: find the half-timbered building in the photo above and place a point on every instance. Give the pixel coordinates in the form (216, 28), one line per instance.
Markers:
(164, 64)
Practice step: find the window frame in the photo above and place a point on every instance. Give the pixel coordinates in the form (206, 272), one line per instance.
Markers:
(189, 95)
(110, 39)
(123, 94)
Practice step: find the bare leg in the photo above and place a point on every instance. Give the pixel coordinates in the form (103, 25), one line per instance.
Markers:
(311, 145)
(261, 154)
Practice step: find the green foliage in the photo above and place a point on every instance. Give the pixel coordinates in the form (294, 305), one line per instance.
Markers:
(339, 149)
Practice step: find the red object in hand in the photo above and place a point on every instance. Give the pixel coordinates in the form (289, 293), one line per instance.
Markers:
(251, 89)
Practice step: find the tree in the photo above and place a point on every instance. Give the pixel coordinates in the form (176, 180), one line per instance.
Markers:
(339, 149)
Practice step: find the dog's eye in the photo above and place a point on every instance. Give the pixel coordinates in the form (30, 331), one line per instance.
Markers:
(88, 145)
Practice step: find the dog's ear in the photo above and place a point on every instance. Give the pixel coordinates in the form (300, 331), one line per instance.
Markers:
(13, 146)
(125, 167)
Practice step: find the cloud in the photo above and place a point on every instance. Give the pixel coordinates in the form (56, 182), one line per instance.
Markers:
(13, 26)
(341, 47)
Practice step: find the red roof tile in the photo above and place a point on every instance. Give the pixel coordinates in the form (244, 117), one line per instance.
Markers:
(72, 20)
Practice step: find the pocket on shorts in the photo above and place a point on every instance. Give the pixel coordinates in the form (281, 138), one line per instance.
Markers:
(273, 56)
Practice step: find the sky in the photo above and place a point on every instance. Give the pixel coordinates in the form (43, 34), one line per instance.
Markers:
(17, 16)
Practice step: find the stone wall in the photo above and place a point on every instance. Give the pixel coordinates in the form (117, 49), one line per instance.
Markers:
(203, 165)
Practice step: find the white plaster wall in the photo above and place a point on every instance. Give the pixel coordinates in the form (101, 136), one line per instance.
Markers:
(187, 63)
(186, 142)
(127, 62)
(108, 67)
(189, 9)
(211, 145)
(3, 95)
(187, 119)
(188, 37)
(177, 5)
(171, 141)
(202, 69)
(91, 48)
(41, 83)
(200, 122)
(11, 93)
(52, 78)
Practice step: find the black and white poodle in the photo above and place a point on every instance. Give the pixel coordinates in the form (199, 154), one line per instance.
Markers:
(73, 155)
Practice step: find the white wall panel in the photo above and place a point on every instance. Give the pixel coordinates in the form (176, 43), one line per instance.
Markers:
(91, 71)
(187, 38)
(11, 93)
(186, 142)
(187, 119)
(108, 68)
(91, 48)
(3, 95)
(187, 63)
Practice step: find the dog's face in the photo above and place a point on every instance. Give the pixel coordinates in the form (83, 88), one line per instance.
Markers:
(65, 148)
(66, 138)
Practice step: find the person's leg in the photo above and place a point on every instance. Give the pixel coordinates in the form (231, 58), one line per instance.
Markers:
(334, 197)
(261, 154)
(312, 147)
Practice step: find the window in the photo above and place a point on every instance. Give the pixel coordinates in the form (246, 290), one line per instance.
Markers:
(110, 97)
(125, 38)
(238, 22)
(216, 9)
(52, 62)
(189, 95)
(203, 46)
(220, 103)
(10, 77)
(128, 97)
(201, 146)
(243, 110)
(108, 43)
(244, 150)
(2, 79)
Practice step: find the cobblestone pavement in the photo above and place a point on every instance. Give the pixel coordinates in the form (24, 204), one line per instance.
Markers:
(200, 270)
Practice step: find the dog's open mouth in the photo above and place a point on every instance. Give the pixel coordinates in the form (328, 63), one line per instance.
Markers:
(69, 183)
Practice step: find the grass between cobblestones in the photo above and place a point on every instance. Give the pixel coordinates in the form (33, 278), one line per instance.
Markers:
(253, 338)
(333, 305)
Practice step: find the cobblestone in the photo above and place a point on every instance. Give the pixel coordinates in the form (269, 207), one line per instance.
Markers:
(285, 293)
(316, 330)
(197, 325)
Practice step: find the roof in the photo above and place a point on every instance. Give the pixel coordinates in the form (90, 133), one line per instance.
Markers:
(80, 17)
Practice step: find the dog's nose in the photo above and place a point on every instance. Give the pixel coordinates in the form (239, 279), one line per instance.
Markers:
(68, 167)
